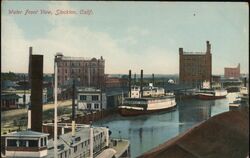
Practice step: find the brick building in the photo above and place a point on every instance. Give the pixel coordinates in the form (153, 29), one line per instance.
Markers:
(116, 82)
(88, 72)
(232, 72)
(195, 67)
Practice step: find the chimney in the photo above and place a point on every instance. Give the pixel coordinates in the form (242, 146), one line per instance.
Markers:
(141, 87)
(245, 82)
(153, 79)
(55, 106)
(135, 79)
(73, 108)
(208, 47)
(29, 80)
(98, 74)
(181, 51)
(129, 83)
(30, 55)
(36, 92)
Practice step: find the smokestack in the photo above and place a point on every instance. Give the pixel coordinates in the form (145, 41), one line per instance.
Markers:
(36, 92)
(29, 80)
(141, 88)
(153, 79)
(73, 109)
(55, 110)
(180, 50)
(129, 83)
(208, 47)
(245, 82)
(30, 56)
(135, 79)
(98, 74)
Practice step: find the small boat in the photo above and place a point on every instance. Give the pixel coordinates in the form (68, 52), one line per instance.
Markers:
(244, 95)
(235, 103)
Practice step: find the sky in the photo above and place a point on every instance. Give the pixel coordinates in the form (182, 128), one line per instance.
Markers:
(129, 35)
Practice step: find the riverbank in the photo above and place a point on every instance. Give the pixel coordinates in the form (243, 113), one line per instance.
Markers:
(13, 120)
(225, 135)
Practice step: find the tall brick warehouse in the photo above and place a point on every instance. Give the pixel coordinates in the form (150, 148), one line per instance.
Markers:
(232, 72)
(195, 67)
(87, 71)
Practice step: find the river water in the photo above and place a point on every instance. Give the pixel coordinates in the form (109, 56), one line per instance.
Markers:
(148, 131)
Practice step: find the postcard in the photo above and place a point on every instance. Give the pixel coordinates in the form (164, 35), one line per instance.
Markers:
(116, 79)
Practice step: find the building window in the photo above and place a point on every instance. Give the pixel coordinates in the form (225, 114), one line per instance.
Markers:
(83, 97)
(11, 142)
(75, 149)
(95, 97)
(33, 143)
(89, 106)
(41, 142)
(96, 106)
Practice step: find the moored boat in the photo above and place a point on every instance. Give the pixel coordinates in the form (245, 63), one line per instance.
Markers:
(211, 94)
(208, 93)
(154, 100)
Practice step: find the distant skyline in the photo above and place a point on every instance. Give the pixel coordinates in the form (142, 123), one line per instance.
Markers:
(129, 35)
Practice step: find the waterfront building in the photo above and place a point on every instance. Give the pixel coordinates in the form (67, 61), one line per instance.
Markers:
(195, 67)
(87, 71)
(9, 101)
(232, 72)
(7, 84)
(94, 99)
(90, 98)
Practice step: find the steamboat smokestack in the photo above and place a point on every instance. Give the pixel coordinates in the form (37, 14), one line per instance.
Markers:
(36, 91)
(129, 83)
(245, 82)
(153, 79)
(135, 79)
(141, 87)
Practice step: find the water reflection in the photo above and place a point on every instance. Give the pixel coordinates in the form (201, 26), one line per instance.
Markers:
(148, 131)
(193, 111)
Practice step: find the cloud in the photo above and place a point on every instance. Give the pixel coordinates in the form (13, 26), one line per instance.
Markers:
(14, 47)
(81, 41)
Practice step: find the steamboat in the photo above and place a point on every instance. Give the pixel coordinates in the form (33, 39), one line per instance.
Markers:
(208, 93)
(145, 100)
